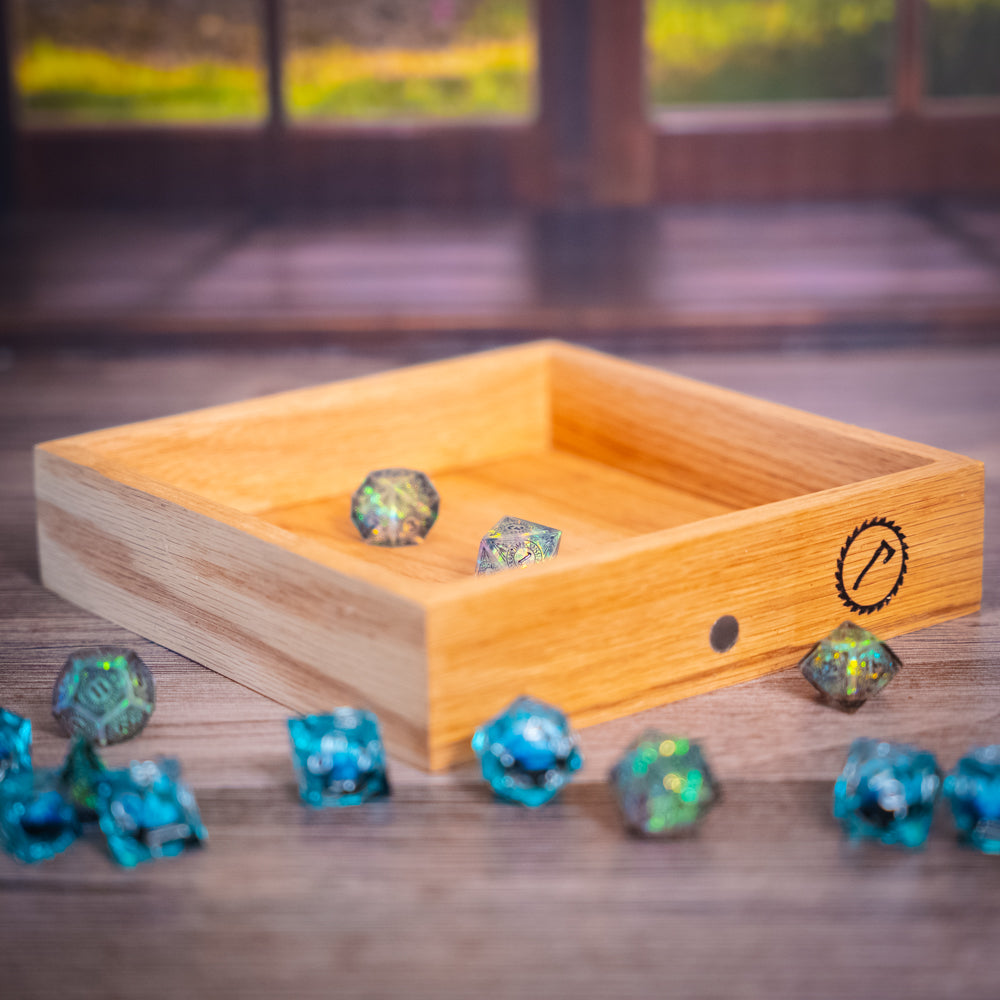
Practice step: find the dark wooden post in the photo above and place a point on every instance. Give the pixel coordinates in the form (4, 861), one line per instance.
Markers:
(8, 134)
(908, 76)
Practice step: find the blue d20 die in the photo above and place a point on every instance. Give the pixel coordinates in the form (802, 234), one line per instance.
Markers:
(338, 758)
(37, 821)
(887, 792)
(15, 744)
(146, 812)
(973, 792)
(528, 752)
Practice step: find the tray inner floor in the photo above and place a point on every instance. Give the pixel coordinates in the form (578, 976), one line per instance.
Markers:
(591, 502)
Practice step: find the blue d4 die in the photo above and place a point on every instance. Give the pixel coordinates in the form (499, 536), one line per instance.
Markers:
(37, 821)
(146, 812)
(528, 751)
(887, 792)
(15, 744)
(973, 792)
(338, 758)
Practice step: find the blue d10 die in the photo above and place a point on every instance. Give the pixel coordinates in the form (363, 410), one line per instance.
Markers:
(146, 812)
(663, 785)
(513, 542)
(338, 758)
(105, 694)
(527, 752)
(973, 792)
(15, 744)
(887, 792)
(37, 821)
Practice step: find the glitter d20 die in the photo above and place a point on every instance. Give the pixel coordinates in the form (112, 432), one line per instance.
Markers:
(37, 820)
(528, 751)
(146, 812)
(663, 785)
(338, 758)
(973, 792)
(513, 542)
(15, 745)
(105, 694)
(850, 665)
(886, 792)
(395, 507)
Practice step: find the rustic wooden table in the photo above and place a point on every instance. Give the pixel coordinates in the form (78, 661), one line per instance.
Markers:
(441, 891)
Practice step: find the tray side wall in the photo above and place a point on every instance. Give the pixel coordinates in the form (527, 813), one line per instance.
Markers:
(296, 631)
(711, 442)
(320, 442)
(630, 632)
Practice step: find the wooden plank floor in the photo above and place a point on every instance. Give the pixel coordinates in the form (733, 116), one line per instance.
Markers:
(750, 276)
(441, 892)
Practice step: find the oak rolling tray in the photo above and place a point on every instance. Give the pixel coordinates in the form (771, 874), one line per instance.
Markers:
(224, 534)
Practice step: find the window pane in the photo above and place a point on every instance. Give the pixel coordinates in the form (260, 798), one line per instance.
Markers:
(963, 47)
(724, 51)
(376, 59)
(138, 60)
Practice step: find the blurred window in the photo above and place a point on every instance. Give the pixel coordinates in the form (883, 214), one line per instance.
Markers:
(729, 51)
(101, 61)
(962, 39)
(409, 59)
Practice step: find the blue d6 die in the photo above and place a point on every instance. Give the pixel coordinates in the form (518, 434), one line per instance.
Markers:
(146, 812)
(338, 758)
(887, 792)
(37, 821)
(527, 752)
(15, 744)
(973, 792)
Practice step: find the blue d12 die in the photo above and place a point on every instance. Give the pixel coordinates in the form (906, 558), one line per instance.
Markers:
(15, 744)
(973, 792)
(146, 812)
(338, 758)
(887, 792)
(527, 751)
(37, 821)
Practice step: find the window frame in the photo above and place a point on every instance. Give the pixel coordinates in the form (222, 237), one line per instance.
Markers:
(594, 143)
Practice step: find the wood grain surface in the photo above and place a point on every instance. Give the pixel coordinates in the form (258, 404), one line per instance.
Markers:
(442, 892)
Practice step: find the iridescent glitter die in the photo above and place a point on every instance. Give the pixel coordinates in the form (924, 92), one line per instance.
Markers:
(528, 752)
(395, 507)
(663, 785)
(887, 792)
(338, 758)
(105, 694)
(513, 542)
(973, 792)
(850, 665)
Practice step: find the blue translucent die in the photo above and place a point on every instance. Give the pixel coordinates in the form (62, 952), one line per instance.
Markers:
(663, 785)
(850, 665)
(37, 821)
(146, 812)
(338, 758)
(105, 694)
(886, 792)
(15, 744)
(973, 792)
(527, 752)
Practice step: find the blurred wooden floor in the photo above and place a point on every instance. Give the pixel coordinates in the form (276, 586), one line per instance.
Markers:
(441, 892)
(834, 274)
